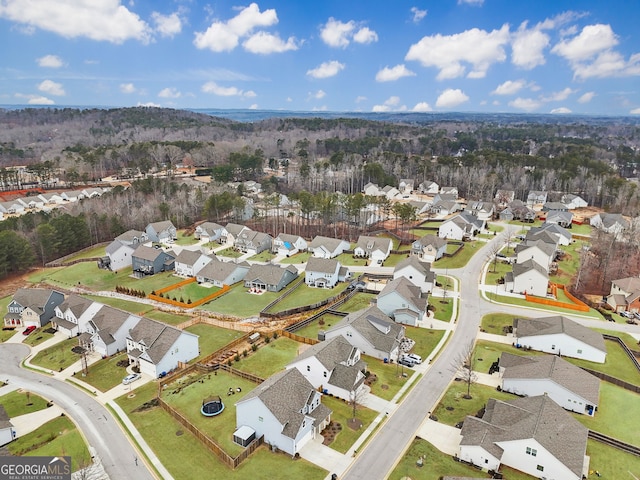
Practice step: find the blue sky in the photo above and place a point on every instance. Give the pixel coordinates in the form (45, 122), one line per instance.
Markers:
(579, 57)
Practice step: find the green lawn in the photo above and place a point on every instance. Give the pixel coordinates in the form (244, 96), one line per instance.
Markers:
(495, 323)
(460, 259)
(394, 259)
(38, 336)
(426, 339)
(58, 356)
(488, 352)
(611, 462)
(323, 323)
(347, 259)
(212, 338)
(184, 239)
(496, 271)
(94, 252)
(306, 295)
(20, 402)
(105, 374)
(357, 302)
(130, 306)
(269, 358)
(301, 257)
(569, 265)
(445, 282)
(584, 229)
(240, 303)
(342, 412)
(190, 291)
(521, 302)
(167, 317)
(390, 377)
(7, 334)
(443, 308)
(229, 252)
(263, 256)
(58, 437)
(453, 407)
(617, 364)
(608, 419)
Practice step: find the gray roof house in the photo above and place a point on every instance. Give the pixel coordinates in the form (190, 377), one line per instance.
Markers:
(327, 247)
(371, 331)
(532, 434)
(405, 186)
(107, 330)
(324, 272)
(529, 278)
(32, 307)
(536, 197)
(377, 249)
(429, 248)
(208, 232)
(560, 336)
(161, 232)
(286, 409)
(133, 237)
(554, 207)
(288, 245)
(568, 385)
(417, 272)
(462, 225)
(7, 431)
(252, 242)
(560, 217)
(73, 315)
(230, 233)
(562, 235)
(219, 273)
(334, 367)
(609, 222)
(480, 209)
(504, 197)
(401, 300)
(574, 201)
(119, 256)
(624, 294)
(189, 262)
(149, 260)
(271, 278)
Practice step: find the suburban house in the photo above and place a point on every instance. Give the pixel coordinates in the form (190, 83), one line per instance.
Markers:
(189, 262)
(118, 256)
(132, 238)
(252, 242)
(285, 409)
(376, 249)
(417, 272)
(560, 217)
(72, 195)
(566, 384)
(325, 272)
(521, 211)
(406, 185)
(107, 331)
(371, 331)
(541, 235)
(93, 192)
(271, 278)
(562, 235)
(34, 203)
(390, 192)
(429, 187)
(334, 367)
(574, 201)
(73, 315)
(7, 431)
(372, 190)
(326, 247)
(14, 207)
(449, 191)
(218, 273)
(158, 348)
(536, 197)
(230, 233)
(540, 252)
(208, 232)
(506, 215)
(625, 295)
(504, 197)
(429, 248)
(287, 245)
(460, 226)
(161, 232)
(609, 222)
(554, 207)
(421, 208)
(51, 198)
(149, 260)
(480, 209)
(32, 307)
(532, 434)
(560, 336)
(401, 300)
(529, 278)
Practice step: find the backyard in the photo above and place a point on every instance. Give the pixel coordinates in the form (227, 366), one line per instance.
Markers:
(270, 358)
(458, 260)
(306, 295)
(212, 338)
(190, 292)
(323, 323)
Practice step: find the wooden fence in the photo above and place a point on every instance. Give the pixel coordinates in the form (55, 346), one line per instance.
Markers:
(176, 303)
(616, 381)
(627, 350)
(230, 323)
(298, 338)
(265, 310)
(305, 308)
(62, 261)
(579, 305)
(211, 358)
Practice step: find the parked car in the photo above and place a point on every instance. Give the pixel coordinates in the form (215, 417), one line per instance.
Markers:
(28, 330)
(407, 362)
(130, 378)
(626, 314)
(637, 315)
(417, 359)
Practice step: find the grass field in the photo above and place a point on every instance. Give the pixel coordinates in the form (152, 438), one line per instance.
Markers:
(263, 256)
(569, 265)
(38, 336)
(443, 308)
(347, 259)
(191, 291)
(426, 339)
(20, 402)
(270, 358)
(57, 357)
(130, 306)
(185, 239)
(521, 302)
(94, 252)
(390, 377)
(229, 252)
(357, 302)
(323, 323)
(394, 259)
(460, 259)
(240, 303)
(342, 412)
(105, 374)
(496, 271)
(611, 462)
(301, 257)
(306, 295)
(167, 317)
(212, 338)
(58, 437)
(495, 323)
(7, 334)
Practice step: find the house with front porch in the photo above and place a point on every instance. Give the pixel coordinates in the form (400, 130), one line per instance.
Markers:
(161, 232)
(429, 248)
(325, 272)
(218, 273)
(624, 295)
(326, 247)
(270, 278)
(252, 242)
(285, 409)
(480, 209)
(189, 262)
(333, 367)
(568, 385)
(150, 260)
(536, 198)
(287, 245)
(231, 232)
(208, 232)
(32, 307)
(401, 300)
(376, 249)
(107, 331)
(73, 315)
(461, 226)
(417, 272)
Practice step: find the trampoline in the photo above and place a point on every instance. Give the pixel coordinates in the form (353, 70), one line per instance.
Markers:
(212, 406)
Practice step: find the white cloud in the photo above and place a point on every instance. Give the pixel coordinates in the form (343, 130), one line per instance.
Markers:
(586, 97)
(608, 64)
(361, 98)
(253, 106)
(365, 35)
(510, 87)
(39, 100)
(527, 47)
(391, 103)
(214, 88)
(635, 111)
(266, 43)
(476, 47)
(418, 14)
(422, 107)
(339, 34)
(52, 88)
(127, 88)
(451, 98)
(225, 36)
(558, 96)
(101, 20)
(561, 110)
(49, 61)
(591, 41)
(527, 104)
(326, 69)
(169, 92)
(149, 105)
(475, 3)
(167, 25)
(319, 94)
(394, 73)
(250, 94)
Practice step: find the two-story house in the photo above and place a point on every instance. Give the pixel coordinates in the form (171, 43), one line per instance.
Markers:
(325, 272)
(161, 232)
(377, 249)
(429, 248)
(32, 307)
(403, 301)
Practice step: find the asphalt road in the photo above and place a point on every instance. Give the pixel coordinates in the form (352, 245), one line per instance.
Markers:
(96, 423)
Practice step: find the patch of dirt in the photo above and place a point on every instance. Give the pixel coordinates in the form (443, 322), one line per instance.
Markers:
(384, 386)
(179, 433)
(9, 285)
(147, 405)
(354, 424)
(371, 379)
(330, 432)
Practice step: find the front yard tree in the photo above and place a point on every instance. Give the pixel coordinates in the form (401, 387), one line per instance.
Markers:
(463, 365)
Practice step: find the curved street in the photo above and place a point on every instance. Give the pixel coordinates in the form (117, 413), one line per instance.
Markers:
(96, 423)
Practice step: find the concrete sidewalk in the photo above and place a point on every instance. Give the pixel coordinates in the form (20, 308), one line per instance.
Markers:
(31, 421)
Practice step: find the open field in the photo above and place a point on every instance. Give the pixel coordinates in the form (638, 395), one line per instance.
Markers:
(394, 259)
(212, 338)
(20, 402)
(347, 259)
(229, 252)
(496, 271)
(167, 317)
(94, 252)
(105, 374)
(184, 239)
(191, 291)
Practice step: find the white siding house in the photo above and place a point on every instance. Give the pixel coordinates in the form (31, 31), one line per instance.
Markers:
(326, 247)
(287, 245)
(403, 301)
(324, 272)
(190, 262)
(417, 272)
(120, 255)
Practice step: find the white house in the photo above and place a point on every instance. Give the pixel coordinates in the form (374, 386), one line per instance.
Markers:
(528, 278)
(208, 232)
(480, 209)
(72, 195)
(401, 300)
(417, 272)
(562, 218)
(541, 253)
(7, 431)
(376, 249)
(609, 222)
(32, 307)
(429, 248)
(429, 187)
(325, 272)
(371, 331)
(287, 245)
(532, 434)
(372, 190)
(189, 262)
(106, 333)
(286, 409)
(252, 242)
(13, 207)
(562, 235)
(449, 191)
(231, 232)
(560, 336)
(536, 198)
(405, 186)
(158, 348)
(51, 198)
(574, 201)
(326, 247)
(334, 367)
(161, 232)
(569, 386)
(73, 315)
(119, 255)
(391, 192)
(462, 225)
(218, 273)
(133, 238)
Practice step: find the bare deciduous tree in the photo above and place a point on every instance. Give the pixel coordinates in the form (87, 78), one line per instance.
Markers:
(463, 365)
